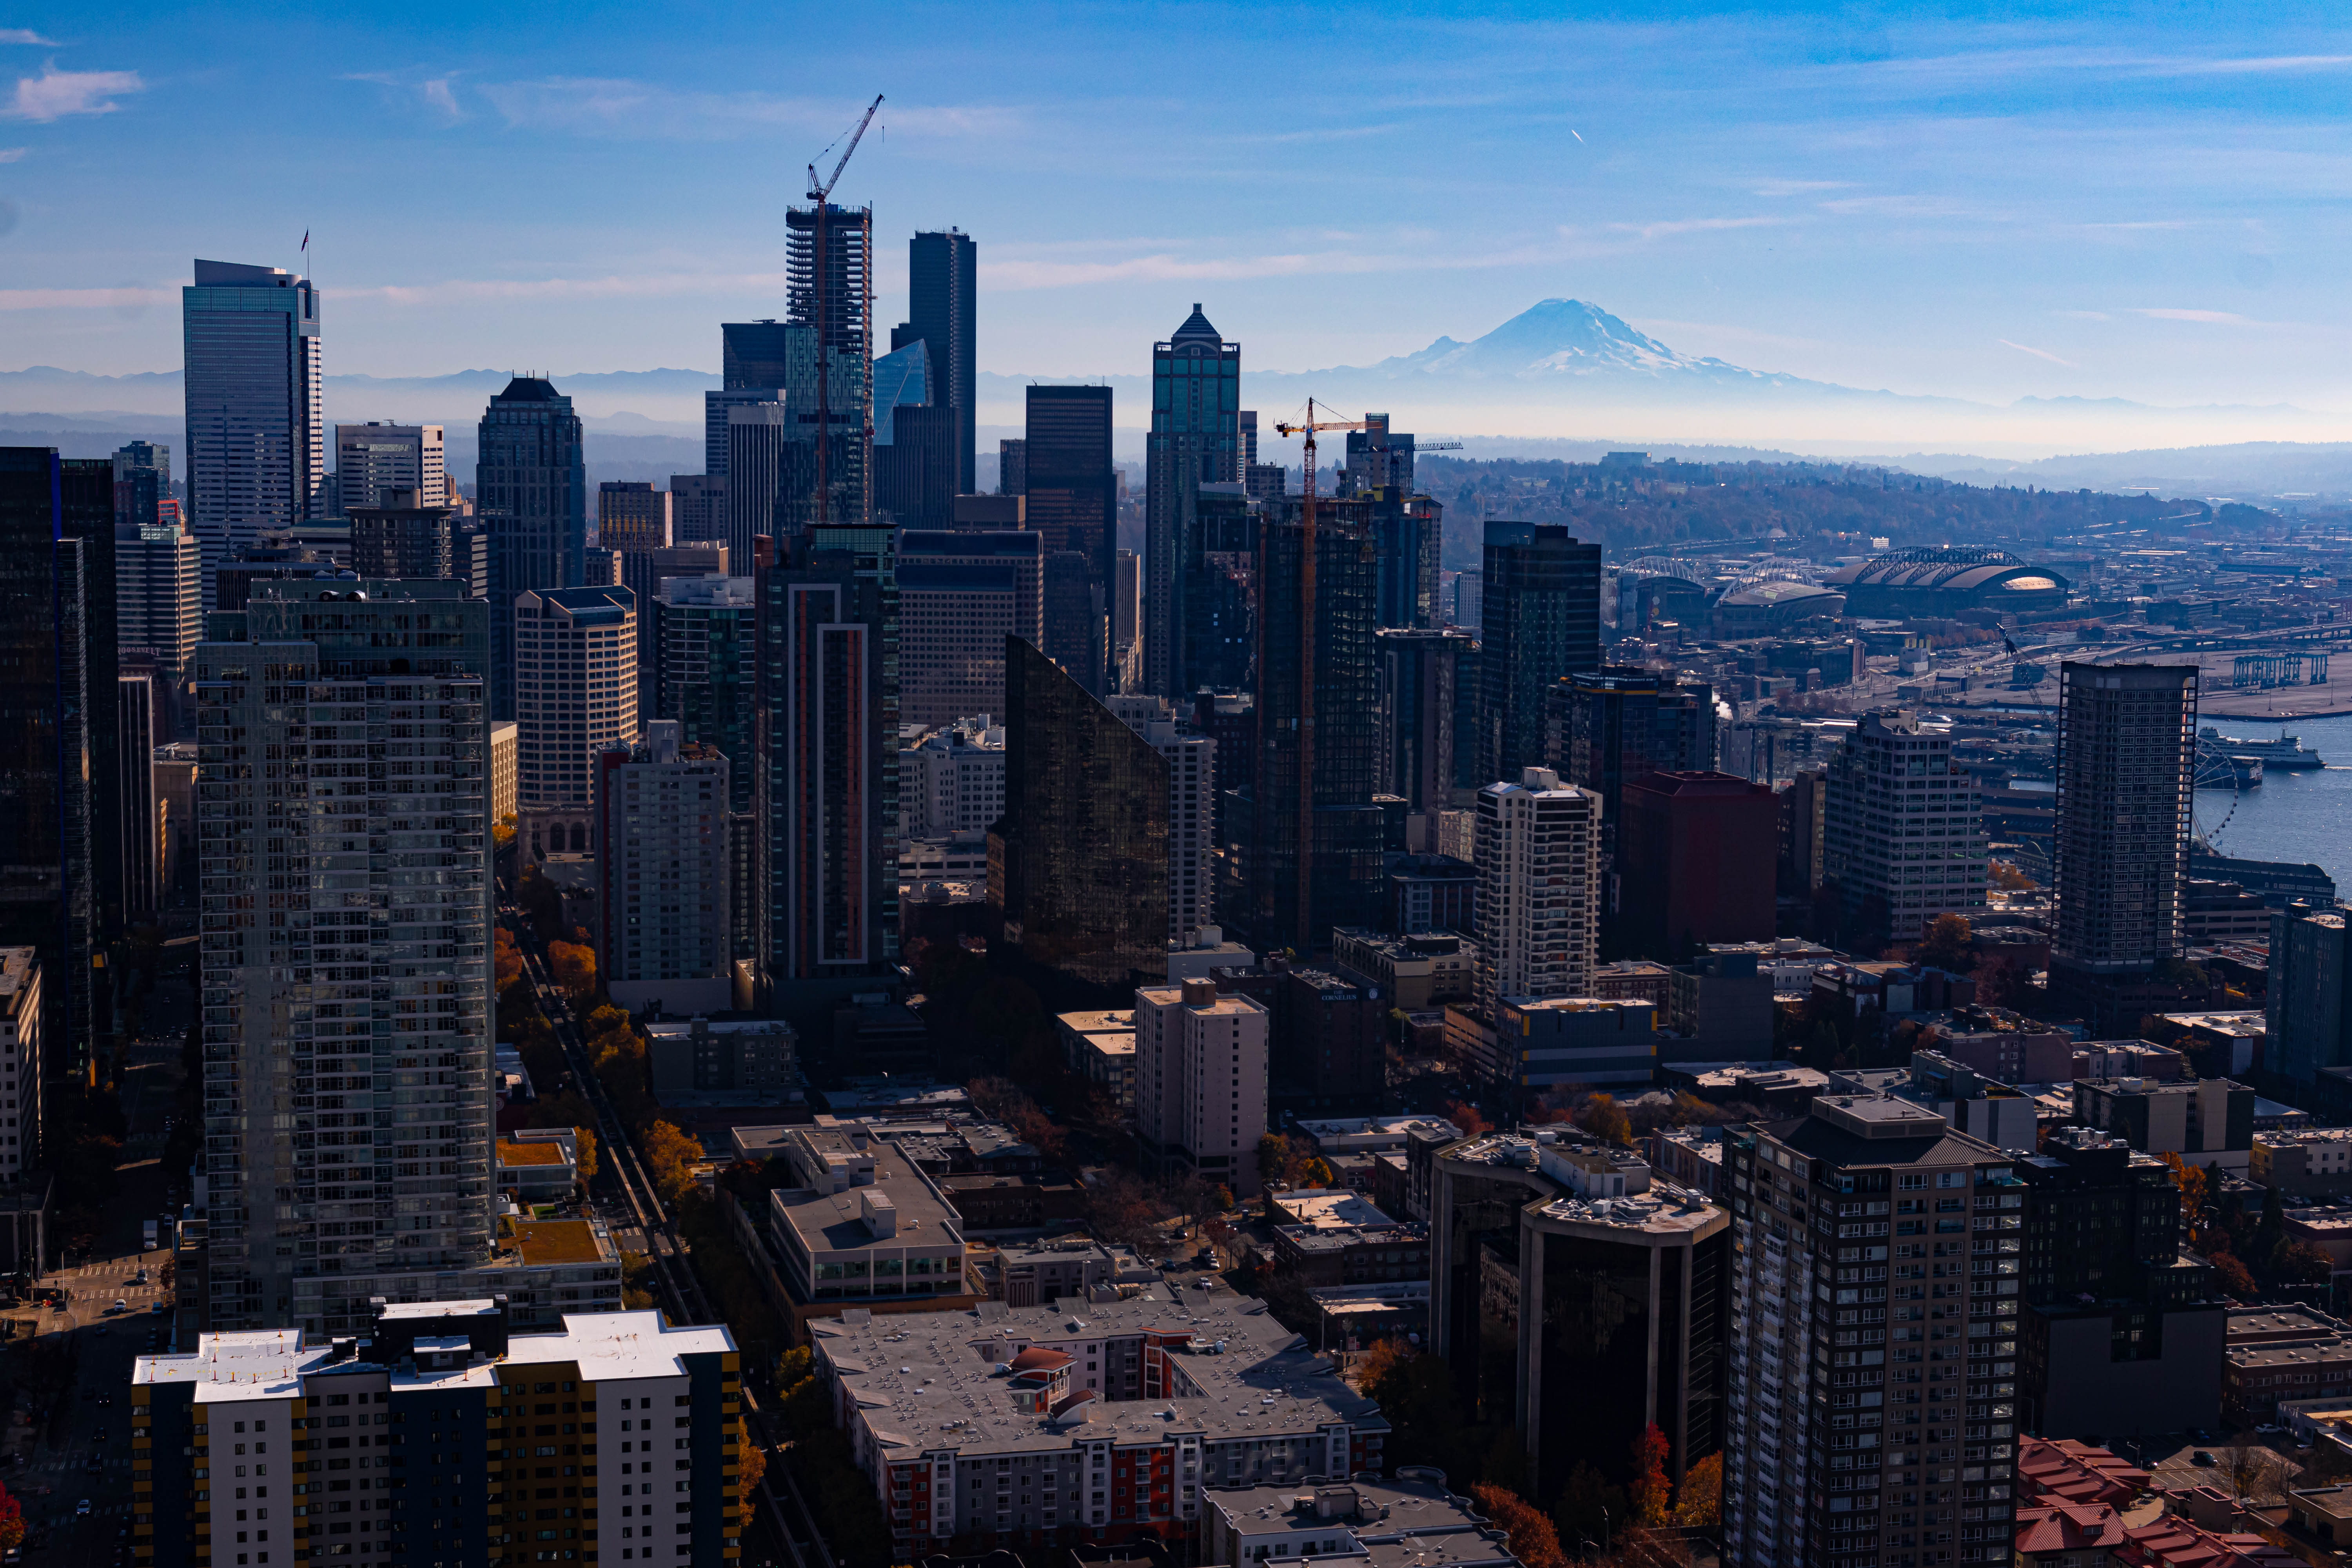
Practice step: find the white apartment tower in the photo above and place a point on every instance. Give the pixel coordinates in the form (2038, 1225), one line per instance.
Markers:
(1901, 833)
(373, 457)
(1191, 809)
(664, 874)
(1538, 892)
(575, 689)
(952, 780)
(1200, 1081)
(344, 850)
(158, 591)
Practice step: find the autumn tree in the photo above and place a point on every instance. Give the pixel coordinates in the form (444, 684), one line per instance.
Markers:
(2192, 1184)
(1652, 1495)
(1602, 1116)
(755, 1469)
(506, 959)
(12, 1521)
(2231, 1276)
(1944, 943)
(2301, 1263)
(1465, 1115)
(670, 1157)
(1526, 1529)
(1699, 1505)
(573, 967)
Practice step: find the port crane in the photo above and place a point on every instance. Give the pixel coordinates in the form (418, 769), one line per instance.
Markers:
(820, 196)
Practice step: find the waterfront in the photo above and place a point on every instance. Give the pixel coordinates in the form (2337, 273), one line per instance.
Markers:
(2291, 815)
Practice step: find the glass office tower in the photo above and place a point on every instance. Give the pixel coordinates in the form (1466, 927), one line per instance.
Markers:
(531, 483)
(1541, 620)
(1195, 439)
(257, 444)
(942, 310)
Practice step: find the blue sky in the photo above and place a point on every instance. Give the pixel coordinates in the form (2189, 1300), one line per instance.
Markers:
(1988, 202)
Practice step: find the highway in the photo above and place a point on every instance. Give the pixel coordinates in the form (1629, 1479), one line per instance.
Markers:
(647, 1215)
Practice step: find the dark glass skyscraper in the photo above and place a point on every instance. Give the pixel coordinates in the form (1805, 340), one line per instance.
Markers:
(1604, 728)
(1303, 841)
(751, 353)
(531, 490)
(1407, 529)
(1419, 672)
(60, 879)
(1220, 591)
(1078, 864)
(1073, 489)
(1196, 401)
(942, 300)
(829, 276)
(1541, 621)
(257, 446)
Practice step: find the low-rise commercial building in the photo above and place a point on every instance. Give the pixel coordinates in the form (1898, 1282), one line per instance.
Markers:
(726, 1061)
(1416, 972)
(538, 1164)
(1538, 1043)
(2206, 1121)
(2315, 1161)
(1371, 1520)
(2275, 1354)
(863, 1228)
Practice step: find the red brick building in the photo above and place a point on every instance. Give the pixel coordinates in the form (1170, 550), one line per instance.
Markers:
(1696, 853)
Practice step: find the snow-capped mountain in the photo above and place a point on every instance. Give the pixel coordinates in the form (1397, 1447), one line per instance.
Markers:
(1559, 338)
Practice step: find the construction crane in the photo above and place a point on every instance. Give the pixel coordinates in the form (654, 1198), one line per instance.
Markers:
(1307, 429)
(821, 197)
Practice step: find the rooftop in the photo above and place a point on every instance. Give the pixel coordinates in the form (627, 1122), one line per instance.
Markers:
(1330, 1208)
(841, 1222)
(513, 1154)
(559, 1241)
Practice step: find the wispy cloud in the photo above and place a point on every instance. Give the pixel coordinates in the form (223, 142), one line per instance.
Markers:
(1800, 187)
(2037, 353)
(632, 286)
(2222, 318)
(11, 155)
(83, 298)
(2084, 315)
(53, 94)
(25, 35)
(438, 93)
(1694, 226)
(638, 110)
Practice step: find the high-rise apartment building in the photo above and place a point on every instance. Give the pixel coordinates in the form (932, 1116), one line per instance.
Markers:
(257, 446)
(1407, 530)
(663, 875)
(1199, 1081)
(473, 1482)
(395, 536)
(698, 506)
(1072, 486)
(1304, 840)
(960, 594)
(1221, 589)
(942, 311)
(1078, 871)
(1872, 1410)
(531, 490)
(1901, 835)
(1192, 759)
(159, 586)
(1196, 380)
(824, 835)
(576, 690)
(829, 274)
(1378, 458)
(1419, 669)
(347, 907)
(2126, 772)
(373, 457)
(706, 629)
(952, 780)
(20, 1067)
(1540, 621)
(58, 772)
(136, 734)
(1695, 858)
(2309, 1003)
(143, 484)
(1539, 864)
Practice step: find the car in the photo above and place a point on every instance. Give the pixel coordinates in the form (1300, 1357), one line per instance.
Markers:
(160, 1308)
(119, 1305)
(2201, 1457)
(81, 1508)
(105, 1399)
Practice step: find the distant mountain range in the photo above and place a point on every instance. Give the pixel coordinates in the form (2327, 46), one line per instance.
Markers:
(1557, 377)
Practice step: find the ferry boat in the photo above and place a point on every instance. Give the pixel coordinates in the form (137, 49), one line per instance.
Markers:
(2281, 752)
(2219, 768)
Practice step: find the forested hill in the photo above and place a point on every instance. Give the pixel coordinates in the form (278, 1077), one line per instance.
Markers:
(1634, 509)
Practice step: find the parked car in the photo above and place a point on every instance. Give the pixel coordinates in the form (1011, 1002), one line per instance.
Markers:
(2201, 1457)
(81, 1508)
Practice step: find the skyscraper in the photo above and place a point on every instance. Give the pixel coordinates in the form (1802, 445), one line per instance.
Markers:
(960, 594)
(143, 484)
(1078, 866)
(1074, 618)
(1192, 760)
(699, 507)
(771, 458)
(158, 571)
(1407, 529)
(2127, 770)
(829, 274)
(306, 1225)
(1303, 841)
(753, 354)
(914, 469)
(60, 882)
(1071, 484)
(1219, 633)
(575, 690)
(1378, 458)
(663, 875)
(1418, 670)
(531, 490)
(1195, 437)
(394, 536)
(826, 822)
(942, 311)
(1541, 620)
(1816, 1470)
(372, 456)
(1012, 466)
(134, 796)
(1604, 728)
(1538, 889)
(1694, 859)
(257, 448)
(1901, 837)
(706, 631)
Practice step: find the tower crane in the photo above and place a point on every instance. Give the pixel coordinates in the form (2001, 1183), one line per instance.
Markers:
(821, 197)
(1307, 429)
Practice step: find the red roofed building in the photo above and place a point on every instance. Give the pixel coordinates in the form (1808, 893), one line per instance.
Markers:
(2173, 1542)
(2067, 1471)
(2068, 1535)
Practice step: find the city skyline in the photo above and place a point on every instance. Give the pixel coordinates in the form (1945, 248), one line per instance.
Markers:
(1958, 209)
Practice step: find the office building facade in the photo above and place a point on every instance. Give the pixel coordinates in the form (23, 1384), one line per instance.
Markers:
(960, 594)
(530, 491)
(706, 673)
(829, 282)
(1071, 488)
(1418, 669)
(1604, 728)
(1078, 867)
(1902, 837)
(394, 535)
(665, 870)
(698, 506)
(136, 734)
(1200, 1081)
(951, 780)
(327, 983)
(254, 387)
(575, 690)
(158, 588)
(1872, 1404)
(1192, 759)
(2126, 772)
(1696, 855)
(943, 313)
(1540, 620)
(1538, 865)
(1195, 438)
(373, 457)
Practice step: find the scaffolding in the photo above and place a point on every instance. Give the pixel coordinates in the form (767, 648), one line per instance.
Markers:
(2265, 671)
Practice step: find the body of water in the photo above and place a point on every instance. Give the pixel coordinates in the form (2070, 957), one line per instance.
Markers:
(2293, 817)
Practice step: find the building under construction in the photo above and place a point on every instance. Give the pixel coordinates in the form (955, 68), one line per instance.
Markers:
(836, 297)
